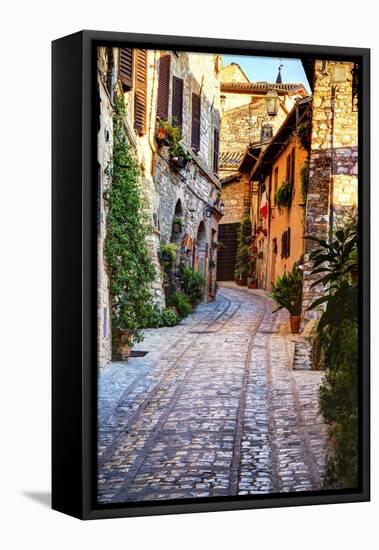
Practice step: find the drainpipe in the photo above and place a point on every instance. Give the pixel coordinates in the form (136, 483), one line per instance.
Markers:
(332, 160)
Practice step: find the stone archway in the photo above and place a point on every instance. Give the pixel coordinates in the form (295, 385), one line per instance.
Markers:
(177, 229)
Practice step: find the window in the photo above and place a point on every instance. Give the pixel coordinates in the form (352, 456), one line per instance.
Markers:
(286, 243)
(140, 91)
(276, 179)
(216, 149)
(125, 69)
(177, 101)
(196, 111)
(163, 86)
(266, 132)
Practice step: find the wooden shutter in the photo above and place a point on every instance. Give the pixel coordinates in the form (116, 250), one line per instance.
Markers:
(177, 101)
(140, 91)
(195, 133)
(216, 149)
(125, 69)
(163, 86)
(286, 243)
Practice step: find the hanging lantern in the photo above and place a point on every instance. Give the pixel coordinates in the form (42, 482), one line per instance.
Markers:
(272, 103)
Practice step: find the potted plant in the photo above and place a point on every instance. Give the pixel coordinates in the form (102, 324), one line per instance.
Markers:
(121, 345)
(283, 196)
(178, 157)
(240, 278)
(252, 281)
(287, 293)
(166, 134)
(243, 256)
(177, 224)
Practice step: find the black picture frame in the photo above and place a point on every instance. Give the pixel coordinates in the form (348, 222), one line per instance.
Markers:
(74, 274)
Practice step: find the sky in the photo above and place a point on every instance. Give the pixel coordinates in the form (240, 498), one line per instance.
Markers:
(266, 68)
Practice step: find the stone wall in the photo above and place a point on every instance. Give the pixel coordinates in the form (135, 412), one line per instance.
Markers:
(104, 156)
(161, 186)
(196, 186)
(241, 125)
(236, 198)
(333, 178)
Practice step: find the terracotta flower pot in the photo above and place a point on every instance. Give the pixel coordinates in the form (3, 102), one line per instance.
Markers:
(123, 345)
(241, 281)
(162, 135)
(253, 284)
(354, 275)
(295, 323)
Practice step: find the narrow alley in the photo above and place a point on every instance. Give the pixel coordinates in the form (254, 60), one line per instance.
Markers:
(213, 409)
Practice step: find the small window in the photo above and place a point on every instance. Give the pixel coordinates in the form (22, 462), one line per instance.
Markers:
(266, 132)
(286, 244)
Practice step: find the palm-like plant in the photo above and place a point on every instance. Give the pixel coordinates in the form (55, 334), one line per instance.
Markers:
(336, 261)
(287, 291)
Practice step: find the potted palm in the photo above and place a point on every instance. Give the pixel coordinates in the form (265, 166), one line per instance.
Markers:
(287, 293)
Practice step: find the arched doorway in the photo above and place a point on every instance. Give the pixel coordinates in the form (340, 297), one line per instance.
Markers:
(177, 224)
(201, 249)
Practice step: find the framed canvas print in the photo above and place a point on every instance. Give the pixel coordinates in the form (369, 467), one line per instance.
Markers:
(210, 274)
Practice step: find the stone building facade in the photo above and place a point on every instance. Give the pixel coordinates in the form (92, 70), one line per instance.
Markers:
(278, 237)
(333, 177)
(192, 193)
(246, 130)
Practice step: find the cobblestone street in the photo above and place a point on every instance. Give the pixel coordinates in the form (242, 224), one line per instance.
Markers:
(213, 409)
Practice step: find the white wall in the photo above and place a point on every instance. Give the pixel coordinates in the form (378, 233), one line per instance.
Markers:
(27, 30)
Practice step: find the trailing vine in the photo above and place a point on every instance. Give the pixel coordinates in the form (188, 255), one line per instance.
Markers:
(283, 195)
(303, 133)
(129, 267)
(304, 176)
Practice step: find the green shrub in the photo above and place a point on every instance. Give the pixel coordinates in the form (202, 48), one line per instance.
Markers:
(337, 333)
(153, 317)
(157, 318)
(283, 195)
(181, 303)
(243, 255)
(128, 263)
(192, 284)
(167, 254)
(287, 291)
(169, 317)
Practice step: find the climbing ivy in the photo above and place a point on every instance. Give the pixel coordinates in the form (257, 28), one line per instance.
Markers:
(129, 267)
(304, 176)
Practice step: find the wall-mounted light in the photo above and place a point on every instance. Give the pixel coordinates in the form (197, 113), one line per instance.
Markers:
(222, 207)
(208, 211)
